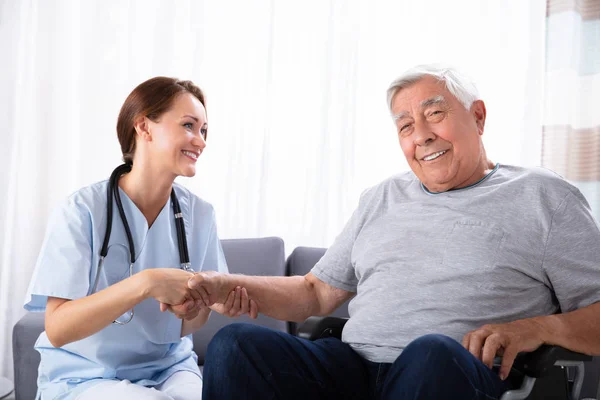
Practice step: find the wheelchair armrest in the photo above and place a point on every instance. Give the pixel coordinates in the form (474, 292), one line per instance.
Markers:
(322, 327)
(536, 363)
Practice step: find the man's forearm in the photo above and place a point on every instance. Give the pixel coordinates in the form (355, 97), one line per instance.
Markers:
(577, 330)
(289, 298)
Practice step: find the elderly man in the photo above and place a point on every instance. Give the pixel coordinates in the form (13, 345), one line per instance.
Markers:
(447, 266)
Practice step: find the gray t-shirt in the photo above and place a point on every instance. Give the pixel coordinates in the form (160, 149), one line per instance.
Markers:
(519, 243)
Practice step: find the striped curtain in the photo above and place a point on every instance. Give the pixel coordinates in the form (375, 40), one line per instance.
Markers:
(571, 117)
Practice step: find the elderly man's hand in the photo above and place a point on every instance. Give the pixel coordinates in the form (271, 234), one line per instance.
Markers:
(238, 303)
(213, 286)
(505, 340)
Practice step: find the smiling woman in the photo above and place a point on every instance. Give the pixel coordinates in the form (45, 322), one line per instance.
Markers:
(180, 102)
(103, 293)
(163, 125)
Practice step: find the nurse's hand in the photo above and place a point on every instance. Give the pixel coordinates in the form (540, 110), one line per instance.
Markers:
(169, 285)
(187, 311)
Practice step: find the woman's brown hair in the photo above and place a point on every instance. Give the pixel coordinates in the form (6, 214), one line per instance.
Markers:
(151, 99)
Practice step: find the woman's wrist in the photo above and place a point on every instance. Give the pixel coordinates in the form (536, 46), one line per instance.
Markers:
(144, 283)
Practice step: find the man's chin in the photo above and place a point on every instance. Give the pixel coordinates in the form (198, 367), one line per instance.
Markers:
(436, 184)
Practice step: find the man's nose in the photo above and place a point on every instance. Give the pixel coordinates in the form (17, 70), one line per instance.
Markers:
(423, 135)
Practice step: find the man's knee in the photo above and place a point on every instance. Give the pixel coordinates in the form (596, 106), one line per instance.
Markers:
(434, 341)
(437, 366)
(229, 351)
(229, 337)
(238, 339)
(430, 350)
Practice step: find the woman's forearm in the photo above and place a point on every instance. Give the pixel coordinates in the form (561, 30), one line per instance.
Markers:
(71, 320)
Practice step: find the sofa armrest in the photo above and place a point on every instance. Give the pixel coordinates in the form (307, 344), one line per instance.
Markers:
(26, 359)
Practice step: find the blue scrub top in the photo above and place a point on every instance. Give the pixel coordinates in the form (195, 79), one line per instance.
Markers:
(148, 349)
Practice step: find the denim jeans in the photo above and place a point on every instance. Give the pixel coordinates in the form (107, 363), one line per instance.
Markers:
(246, 361)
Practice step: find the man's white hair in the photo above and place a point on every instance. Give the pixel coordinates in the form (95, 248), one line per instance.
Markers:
(458, 84)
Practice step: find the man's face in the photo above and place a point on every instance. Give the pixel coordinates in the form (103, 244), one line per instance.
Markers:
(441, 140)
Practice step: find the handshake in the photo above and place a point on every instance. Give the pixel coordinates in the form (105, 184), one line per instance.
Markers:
(185, 294)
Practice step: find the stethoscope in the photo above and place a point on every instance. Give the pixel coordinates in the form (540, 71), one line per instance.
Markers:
(113, 191)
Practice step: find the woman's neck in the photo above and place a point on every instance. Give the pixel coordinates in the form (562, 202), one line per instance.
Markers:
(148, 190)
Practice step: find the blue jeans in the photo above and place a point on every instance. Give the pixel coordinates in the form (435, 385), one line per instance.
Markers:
(246, 361)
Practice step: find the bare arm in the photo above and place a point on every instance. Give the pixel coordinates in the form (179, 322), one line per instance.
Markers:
(289, 298)
(71, 320)
(577, 330)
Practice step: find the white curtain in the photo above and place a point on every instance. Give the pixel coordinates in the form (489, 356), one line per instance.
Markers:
(296, 103)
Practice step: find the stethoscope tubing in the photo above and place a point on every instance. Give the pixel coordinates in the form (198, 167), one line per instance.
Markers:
(113, 191)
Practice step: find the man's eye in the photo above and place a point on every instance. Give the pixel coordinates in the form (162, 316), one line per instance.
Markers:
(404, 128)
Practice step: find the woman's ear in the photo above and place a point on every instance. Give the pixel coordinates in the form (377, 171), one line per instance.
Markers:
(142, 128)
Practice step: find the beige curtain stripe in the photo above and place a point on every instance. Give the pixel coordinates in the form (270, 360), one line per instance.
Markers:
(572, 153)
(588, 9)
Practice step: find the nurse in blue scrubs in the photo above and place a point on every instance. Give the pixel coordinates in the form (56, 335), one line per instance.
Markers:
(108, 333)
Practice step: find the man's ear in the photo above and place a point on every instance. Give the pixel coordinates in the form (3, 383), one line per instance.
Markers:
(141, 125)
(479, 113)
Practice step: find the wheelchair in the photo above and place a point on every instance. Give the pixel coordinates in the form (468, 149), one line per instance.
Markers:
(550, 372)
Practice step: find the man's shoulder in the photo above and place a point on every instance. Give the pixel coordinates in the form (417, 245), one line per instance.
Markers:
(536, 186)
(529, 172)
(537, 178)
